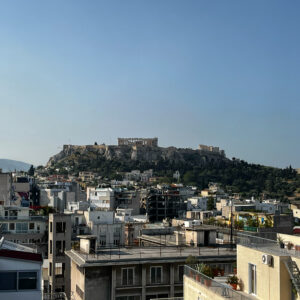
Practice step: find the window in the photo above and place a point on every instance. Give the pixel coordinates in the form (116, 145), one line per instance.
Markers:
(59, 269)
(3, 227)
(8, 281)
(180, 273)
(31, 226)
(50, 269)
(50, 226)
(50, 247)
(128, 276)
(156, 274)
(22, 227)
(60, 227)
(102, 240)
(252, 279)
(27, 280)
(11, 226)
(116, 242)
(59, 248)
(79, 292)
(13, 281)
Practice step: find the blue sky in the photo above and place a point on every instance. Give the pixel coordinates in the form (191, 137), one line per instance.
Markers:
(222, 73)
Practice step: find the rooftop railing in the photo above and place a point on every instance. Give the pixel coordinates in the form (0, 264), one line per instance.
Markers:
(269, 245)
(220, 289)
(155, 252)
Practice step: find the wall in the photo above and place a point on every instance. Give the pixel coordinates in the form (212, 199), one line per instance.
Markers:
(273, 282)
(20, 265)
(193, 290)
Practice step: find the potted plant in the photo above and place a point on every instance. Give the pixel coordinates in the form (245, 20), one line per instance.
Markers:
(233, 281)
(290, 246)
(207, 271)
(221, 271)
(216, 272)
(280, 242)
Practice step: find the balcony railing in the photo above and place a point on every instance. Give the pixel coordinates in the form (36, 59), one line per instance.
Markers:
(220, 289)
(55, 296)
(24, 218)
(21, 232)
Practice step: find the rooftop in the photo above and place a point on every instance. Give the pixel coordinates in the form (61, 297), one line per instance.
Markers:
(125, 255)
(270, 246)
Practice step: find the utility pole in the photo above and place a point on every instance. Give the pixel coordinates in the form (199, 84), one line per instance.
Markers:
(231, 228)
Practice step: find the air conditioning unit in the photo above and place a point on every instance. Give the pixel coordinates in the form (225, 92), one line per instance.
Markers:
(267, 259)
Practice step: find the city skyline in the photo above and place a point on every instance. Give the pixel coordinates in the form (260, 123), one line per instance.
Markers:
(221, 74)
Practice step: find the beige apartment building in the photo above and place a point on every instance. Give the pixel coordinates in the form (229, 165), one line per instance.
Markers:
(266, 270)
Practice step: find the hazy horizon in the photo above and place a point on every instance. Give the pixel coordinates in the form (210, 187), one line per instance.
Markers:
(221, 73)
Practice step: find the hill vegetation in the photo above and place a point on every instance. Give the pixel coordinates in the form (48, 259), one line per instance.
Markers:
(234, 175)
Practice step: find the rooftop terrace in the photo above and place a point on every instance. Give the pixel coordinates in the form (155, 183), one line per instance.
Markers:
(128, 255)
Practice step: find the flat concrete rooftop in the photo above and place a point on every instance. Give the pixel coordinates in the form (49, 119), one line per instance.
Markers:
(136, 255)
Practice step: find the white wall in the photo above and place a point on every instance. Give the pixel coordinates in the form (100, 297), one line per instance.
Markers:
(8, 264)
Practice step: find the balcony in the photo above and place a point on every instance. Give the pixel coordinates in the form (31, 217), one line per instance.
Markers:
(213, 289)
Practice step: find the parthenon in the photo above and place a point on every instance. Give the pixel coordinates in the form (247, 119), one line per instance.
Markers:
(152, 142)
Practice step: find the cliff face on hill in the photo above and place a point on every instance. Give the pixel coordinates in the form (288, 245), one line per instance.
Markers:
(131, 154)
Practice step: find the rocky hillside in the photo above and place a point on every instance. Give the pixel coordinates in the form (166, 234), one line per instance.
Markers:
(92, 157)
(196, 168)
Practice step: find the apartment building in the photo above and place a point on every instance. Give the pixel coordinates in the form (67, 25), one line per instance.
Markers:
(266, 270)
(19, 226)
(135, 273)
(59, 194)
(199, 203)
(102, 224)
(59, 264)
(102, 198)
(164, 203)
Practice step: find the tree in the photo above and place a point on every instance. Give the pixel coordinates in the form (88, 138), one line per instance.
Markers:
(191, 260)
(210, 203)
(31, 171)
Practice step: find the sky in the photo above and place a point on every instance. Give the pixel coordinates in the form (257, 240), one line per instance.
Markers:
(222, 73)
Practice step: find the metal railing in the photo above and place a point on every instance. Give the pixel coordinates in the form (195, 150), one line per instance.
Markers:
(55, 296)
(213, 286)
(24, 218)
(155, 252)
(268, 245)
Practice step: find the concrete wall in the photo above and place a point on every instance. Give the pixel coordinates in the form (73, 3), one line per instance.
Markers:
(272, 282)
(193, 290)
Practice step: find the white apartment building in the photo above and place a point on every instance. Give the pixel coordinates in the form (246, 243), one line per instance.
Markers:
(102, 198)
(17, 225)
(102, 224)
(199, 203)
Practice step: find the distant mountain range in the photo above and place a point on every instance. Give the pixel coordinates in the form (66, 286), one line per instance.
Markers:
(9, 165)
